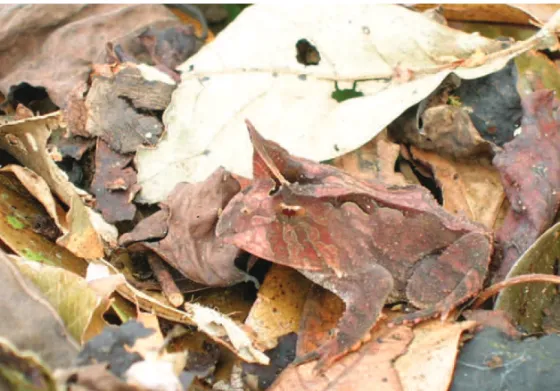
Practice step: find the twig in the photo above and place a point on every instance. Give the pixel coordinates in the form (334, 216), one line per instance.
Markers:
(491, 291)
(168, 286)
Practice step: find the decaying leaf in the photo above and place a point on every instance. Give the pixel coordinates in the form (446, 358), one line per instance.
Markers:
(269, 80)
(536, 72)
(363, 241)
(114, 184)
(471, 188)
(78, 305)
(190, 245)
(118, 106)
(530, 171)
(217, 326)
(525, 302)
(280, 301)
(444, 129)
(28, 309)
(76, 33)
(27, 140)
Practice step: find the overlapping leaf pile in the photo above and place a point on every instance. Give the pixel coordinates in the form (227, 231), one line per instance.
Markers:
(153, 239)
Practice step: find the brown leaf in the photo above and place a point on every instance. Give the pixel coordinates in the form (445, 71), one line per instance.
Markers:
(529, 167)
(191, 212)
(27, 141)
(114, 184)
(444, 129)
(320, 315)
(371, 365)
(374, 160)
(497, 13)
(113, 105)
(54, 45)
(361, 240)
(278, 308)
(429, 362)
(471, 188)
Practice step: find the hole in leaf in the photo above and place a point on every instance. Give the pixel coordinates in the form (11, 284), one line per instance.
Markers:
(307, 54)
(345, 94)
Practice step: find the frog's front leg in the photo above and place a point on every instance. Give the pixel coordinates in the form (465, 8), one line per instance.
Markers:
(364, 293)
(442, 282)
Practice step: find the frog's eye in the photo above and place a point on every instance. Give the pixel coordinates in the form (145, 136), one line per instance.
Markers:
(291, 210)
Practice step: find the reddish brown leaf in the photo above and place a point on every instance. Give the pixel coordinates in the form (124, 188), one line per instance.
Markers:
(191, 212)
(361, 240)
(530, 170)
(114, 184)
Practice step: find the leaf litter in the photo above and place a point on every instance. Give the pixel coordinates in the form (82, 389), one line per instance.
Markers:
(379, 181)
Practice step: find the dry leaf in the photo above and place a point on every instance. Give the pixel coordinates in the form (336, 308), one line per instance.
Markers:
(114, 184)
(190, 244)
(268, 80)
(27, 141)
(529, 168)
(280, 301)
(28, 309)
(119, 106)
(497, 13)
(471, 189)
(77, 34)
(374, 160)
(435, 345)
(373, 364)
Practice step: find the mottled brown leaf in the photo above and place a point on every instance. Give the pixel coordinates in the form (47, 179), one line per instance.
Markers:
(361, 240)
(114, 184)
(529, 167)
(191, 245)
(118, 109)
